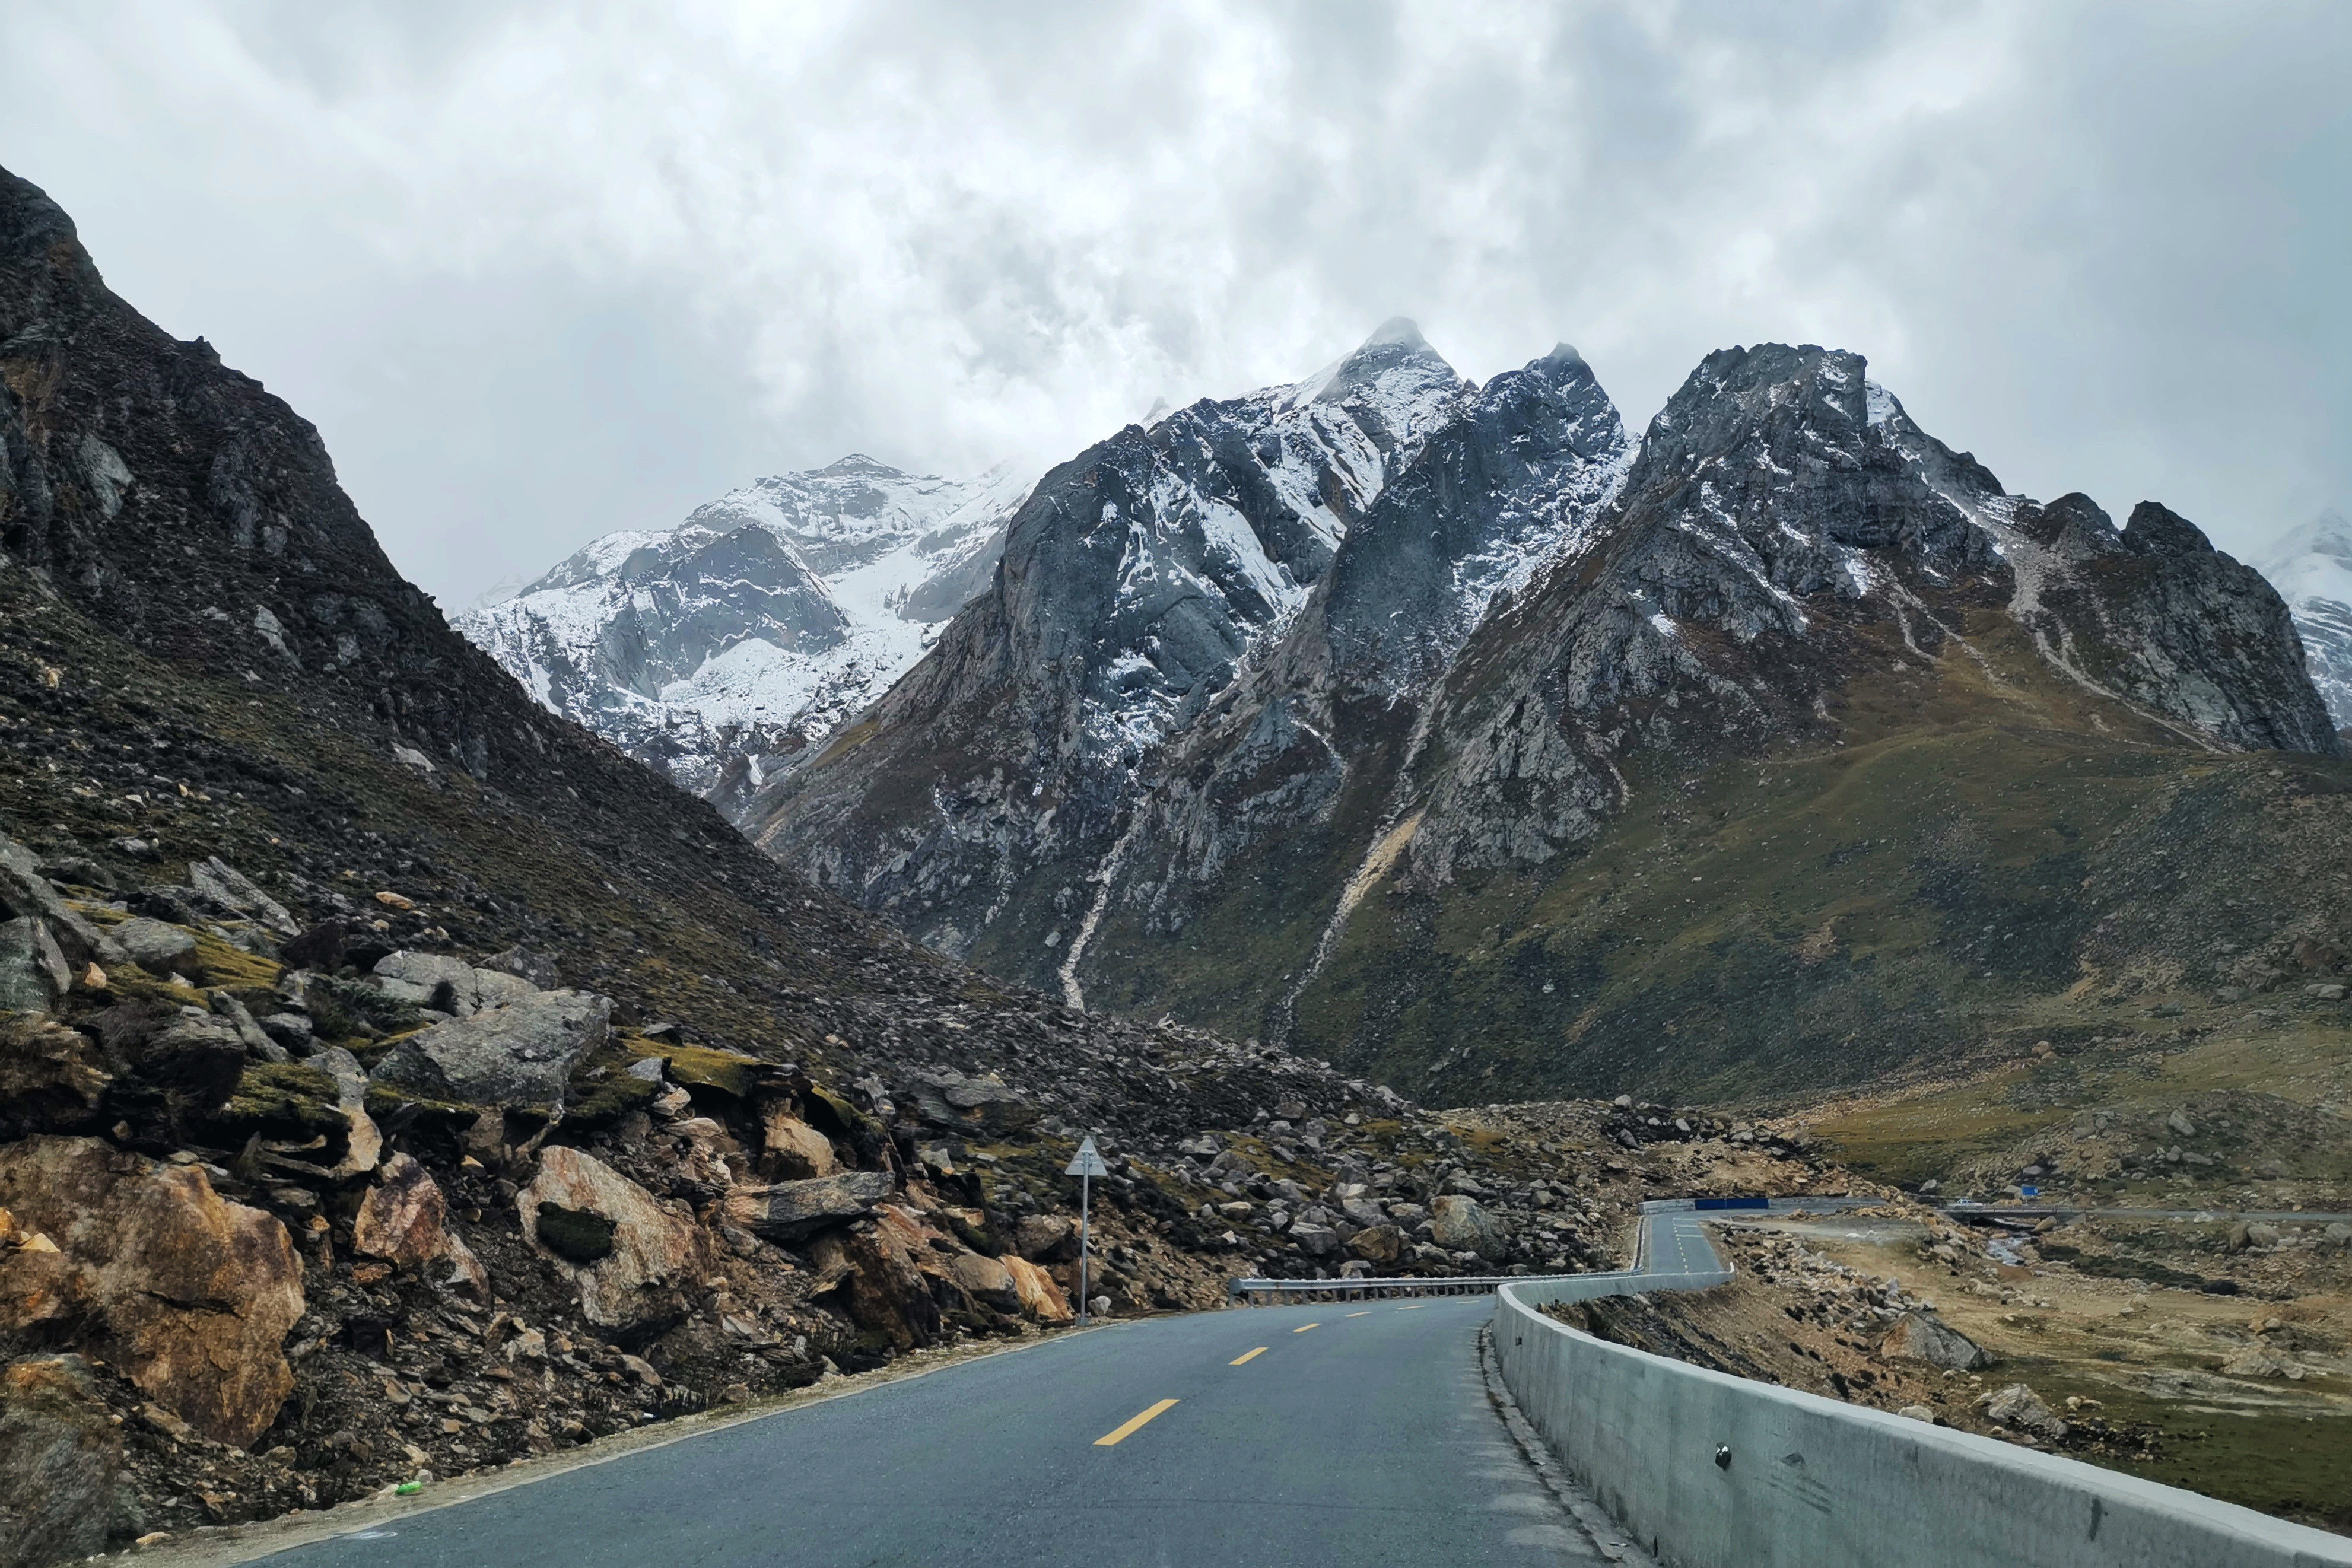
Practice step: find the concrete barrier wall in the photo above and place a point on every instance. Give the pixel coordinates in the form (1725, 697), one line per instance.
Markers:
(1708, 1471)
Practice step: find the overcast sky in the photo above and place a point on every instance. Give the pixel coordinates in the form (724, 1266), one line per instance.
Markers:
(540, 271)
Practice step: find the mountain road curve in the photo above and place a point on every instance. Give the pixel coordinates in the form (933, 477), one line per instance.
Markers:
(1336, 1433)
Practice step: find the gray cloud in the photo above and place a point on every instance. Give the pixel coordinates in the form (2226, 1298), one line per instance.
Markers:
(548, 270)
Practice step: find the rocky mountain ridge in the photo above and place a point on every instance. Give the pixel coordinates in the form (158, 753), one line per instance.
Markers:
(1142, 576)
(1785, 543)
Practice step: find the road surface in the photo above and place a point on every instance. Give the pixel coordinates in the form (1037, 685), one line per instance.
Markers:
(1339, 1435)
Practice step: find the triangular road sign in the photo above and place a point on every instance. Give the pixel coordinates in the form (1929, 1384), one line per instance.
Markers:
(1086, 1162)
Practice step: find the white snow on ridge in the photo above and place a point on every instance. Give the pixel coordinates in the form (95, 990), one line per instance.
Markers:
(2311, 567)
(761, 622)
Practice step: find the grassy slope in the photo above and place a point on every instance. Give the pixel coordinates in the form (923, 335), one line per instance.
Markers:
(1928, 889)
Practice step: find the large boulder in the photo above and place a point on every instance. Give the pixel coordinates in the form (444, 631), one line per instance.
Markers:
(1921, 1335)
(190, 1295)
(789, 1211)
(797, 1149)
(60, 1464)
(232, 891)
(986, 1105)
(1378, 1244)
(1046, 1238)
(1459, 1225)
(185, 1062)
(882, 1286)
(1314, 1239)
(985, 1280)
(450, 984)
(1041, 1298)
(632, 1261)
(155, 946)
(2018, 1407)
(404, 1220)
(519, 1055)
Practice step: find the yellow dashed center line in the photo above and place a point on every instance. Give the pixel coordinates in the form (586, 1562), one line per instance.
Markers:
(1303, 1327)
(1121, 1434)
(1250, 1356)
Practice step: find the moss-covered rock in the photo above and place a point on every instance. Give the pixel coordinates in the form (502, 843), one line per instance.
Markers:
(575, 1233)
(699, 1067)
(284, 1099)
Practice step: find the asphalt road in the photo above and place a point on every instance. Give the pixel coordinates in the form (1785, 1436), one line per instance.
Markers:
(1339, 1435)
(1676, 1243)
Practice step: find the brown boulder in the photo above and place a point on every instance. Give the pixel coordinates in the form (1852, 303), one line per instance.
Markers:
(652, 1257)
(1041, 1298)
(797, 1150)
(60, 1463)
(1377, 1243)
(404, 1220)
(985, 1280)
(190, 1295)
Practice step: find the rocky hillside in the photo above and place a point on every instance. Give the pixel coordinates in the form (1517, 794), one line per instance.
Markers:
(1379, 507)
(2312, 569)
(720, 650)
(396, 1078)
(1447, 825)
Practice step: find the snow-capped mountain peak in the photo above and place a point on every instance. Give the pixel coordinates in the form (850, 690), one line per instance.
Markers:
(753, 627)
(2311, 566)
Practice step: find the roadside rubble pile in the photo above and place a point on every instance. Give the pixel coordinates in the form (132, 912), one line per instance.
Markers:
(297, 1206)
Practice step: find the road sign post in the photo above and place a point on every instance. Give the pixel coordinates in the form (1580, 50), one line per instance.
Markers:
(1086, 1165)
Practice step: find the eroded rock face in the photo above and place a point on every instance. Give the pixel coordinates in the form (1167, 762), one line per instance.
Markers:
(192, 1295)
(519, 1055)
(33, 972)
(60, 1464)
(791, 1211)
(653, 1258)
